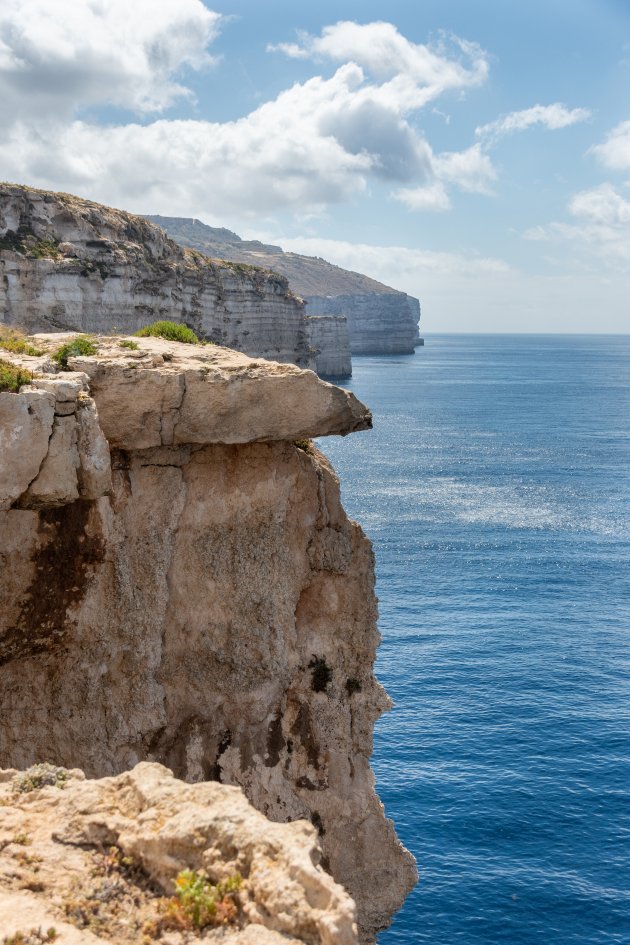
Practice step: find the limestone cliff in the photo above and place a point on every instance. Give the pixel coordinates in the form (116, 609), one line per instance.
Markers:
(70, 264)
(330, 341)
(381, 320)
(378, 323)
(100, 861)
(180, 584)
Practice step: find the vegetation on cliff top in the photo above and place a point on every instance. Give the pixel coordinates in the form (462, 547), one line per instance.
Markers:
(12, 377)
(172, 331)
(81, 345)
(15, 341)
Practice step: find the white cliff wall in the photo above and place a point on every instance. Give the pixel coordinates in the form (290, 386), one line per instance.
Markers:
(378, 323)
(70, 264)
(329, 337)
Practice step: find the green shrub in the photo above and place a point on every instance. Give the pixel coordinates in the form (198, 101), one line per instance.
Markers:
(172, 331)
(43, 249)
(81, 345)
(13, 340)
(128, 343)
(12, 377)
(199, 903)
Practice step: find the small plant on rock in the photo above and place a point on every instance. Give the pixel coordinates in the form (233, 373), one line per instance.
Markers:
(171, 331)
(12, 377)
(198, 903)
(128, 343)
(14, 341)
(81, 345)
(305, 445)
(34, 937)
(39, 776)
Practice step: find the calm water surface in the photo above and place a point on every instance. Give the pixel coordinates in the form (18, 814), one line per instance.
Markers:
(496, 489)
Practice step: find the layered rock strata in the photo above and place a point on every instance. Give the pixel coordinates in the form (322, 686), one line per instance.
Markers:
(210, 606)
(70, 264)
(381, 320)
(330, 340)
(378, 323)
(98, 861)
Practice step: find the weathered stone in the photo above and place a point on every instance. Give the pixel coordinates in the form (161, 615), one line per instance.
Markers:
(381, 320)
(180, 394)
(164, 827)
(95, 470)
(26, 423)
(378, 322)
(215, 612)
(56, 484)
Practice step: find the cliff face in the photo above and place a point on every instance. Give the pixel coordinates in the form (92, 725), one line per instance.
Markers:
(380, 319)
(99, 861)
(70, 264)
(384, 323)
(181, 584)
(330, 339)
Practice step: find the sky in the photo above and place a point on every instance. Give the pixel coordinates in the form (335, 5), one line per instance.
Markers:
(473, 153)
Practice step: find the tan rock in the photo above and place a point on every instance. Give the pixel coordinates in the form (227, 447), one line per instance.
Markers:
(180, 394)
(51, 838)
(115, 272)
(95, 469)
(26, 422)
(215, 612)
(56, 484)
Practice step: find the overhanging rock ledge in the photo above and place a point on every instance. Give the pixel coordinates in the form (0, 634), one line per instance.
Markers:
(180, 584)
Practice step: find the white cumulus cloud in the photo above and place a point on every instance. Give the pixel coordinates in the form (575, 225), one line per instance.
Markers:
(470, 170)
(57, 57)
(417, 72)
(317, 143)
(433, 197)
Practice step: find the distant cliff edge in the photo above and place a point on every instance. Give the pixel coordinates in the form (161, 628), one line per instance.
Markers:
(71, 264)
(380, 319)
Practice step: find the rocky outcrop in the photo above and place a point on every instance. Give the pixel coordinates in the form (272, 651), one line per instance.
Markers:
(329, 338)
(99, 861)
(210, 607)
(381, 320)
(70, 264)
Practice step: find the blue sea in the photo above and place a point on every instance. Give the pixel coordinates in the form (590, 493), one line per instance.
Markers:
(495, 487)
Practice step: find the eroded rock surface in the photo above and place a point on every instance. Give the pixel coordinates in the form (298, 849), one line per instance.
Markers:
(97, 861)
(210, 606)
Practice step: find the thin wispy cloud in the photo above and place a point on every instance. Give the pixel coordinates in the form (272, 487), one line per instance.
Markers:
(551, 117)
(601, 231)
